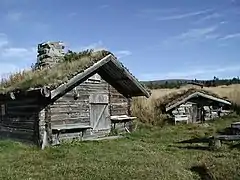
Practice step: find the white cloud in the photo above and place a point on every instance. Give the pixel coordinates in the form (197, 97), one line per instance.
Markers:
(3, 40)
(6, 69)
(123, 53)
(100, 46)
(104, 6)
(72, 14)
(95, 46)
(231, 36)
(14, 16)
(204, 72)
(153, 12)
(12, 58)
(223, 22)
(20, 53)
(209, 17)
(193, 35)
(41, 27)
(158, 10)
(183, 16)
(197, 33)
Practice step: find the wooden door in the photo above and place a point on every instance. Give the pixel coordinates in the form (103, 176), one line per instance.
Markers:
(99, 112)
(194, 113)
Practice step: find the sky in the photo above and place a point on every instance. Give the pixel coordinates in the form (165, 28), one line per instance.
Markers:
(154, 39)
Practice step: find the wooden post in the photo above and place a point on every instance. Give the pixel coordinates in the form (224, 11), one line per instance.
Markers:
(47, 135)
(215, 144)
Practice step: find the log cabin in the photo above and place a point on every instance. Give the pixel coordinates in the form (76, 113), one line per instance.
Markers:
(194, 106)
(64, 97)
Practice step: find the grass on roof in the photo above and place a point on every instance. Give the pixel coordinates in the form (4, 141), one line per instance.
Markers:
(72, 64)
(174, 97)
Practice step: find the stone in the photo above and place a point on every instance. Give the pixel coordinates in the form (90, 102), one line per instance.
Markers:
(49, 54)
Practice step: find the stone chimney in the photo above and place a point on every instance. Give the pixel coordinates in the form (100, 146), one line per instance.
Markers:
(49, 54)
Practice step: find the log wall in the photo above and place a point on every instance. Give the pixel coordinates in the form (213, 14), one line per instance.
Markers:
(28, 116)
(70, 110)
(19, 118)
(120, 105)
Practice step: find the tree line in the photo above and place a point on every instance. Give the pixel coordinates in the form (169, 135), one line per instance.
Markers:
(178, 83)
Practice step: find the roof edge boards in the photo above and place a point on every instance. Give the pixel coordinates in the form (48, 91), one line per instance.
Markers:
(197, 94)
(59, 90)
(130, 76)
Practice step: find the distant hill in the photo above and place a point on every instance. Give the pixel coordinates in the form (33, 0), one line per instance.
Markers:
(166, 80)
(176, 83)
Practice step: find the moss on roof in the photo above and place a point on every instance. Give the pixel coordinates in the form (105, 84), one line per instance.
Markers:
(72, 64)
(173, 98)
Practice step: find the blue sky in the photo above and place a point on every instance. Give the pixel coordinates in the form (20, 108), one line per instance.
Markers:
(154, 39)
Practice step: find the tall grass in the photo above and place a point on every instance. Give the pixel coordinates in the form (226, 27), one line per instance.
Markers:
(150, 110)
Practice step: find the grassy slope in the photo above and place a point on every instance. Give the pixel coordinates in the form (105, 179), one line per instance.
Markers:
(149, 153)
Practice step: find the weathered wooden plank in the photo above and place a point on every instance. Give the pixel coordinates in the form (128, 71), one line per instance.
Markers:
(67, 101)
(68, 127)
(116, 113)
(20, 102)
(19, 118)
(20, 131)
(27, 113)
(118, 100)
(70, 115)
(123, 105)
(69, 110)
(66, 104)
(83, 120)
(228, 137)
(89, 85)
(121, 111)
(24, 106)
(98, 98)
(18, 135)
(15, 124)
(70, 97)
(69, 105)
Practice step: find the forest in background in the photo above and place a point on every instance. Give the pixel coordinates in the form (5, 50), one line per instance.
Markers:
(177, 83)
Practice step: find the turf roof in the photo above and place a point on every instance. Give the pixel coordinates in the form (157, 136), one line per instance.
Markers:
(176, 97)
(72, 64)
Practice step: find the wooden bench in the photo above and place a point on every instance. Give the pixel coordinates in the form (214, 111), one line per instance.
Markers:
(216, 141)
(180, 118)
(69, 128)
(122, 119)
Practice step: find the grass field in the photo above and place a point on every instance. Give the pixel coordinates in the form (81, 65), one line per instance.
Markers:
(231, 91)
(149, 153)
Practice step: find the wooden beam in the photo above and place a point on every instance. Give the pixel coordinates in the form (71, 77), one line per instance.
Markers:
(12, 96)
(45, 92)
(131, 77)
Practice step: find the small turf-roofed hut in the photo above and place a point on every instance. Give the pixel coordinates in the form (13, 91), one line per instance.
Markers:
(74, 91)
(194, 105)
